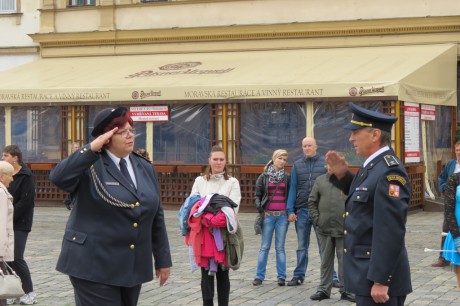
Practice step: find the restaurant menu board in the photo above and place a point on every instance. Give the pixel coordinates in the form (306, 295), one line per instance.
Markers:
(411, 132)
(428, 112)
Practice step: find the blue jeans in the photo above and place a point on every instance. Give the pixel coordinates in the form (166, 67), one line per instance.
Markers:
(278, 225)
(303, 227)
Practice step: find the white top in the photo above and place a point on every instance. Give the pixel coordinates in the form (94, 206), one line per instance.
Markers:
(6, 224)
(217, 184)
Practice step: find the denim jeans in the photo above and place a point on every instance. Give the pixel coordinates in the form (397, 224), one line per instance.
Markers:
(303, 227)
(279, 226)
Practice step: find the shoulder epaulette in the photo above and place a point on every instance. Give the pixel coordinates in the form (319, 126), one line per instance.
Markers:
(137, 154)
(391, 160)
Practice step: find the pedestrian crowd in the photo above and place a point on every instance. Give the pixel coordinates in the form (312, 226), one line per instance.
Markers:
(116, 223)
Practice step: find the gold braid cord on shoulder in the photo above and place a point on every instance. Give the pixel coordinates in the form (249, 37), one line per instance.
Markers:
(104, 194)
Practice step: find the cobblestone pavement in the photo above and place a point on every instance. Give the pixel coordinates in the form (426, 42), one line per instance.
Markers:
(432, 286)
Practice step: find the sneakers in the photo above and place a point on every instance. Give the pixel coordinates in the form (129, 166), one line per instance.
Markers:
(441, 263)
(28, 299)
(295, 282)
(257, 282)
(12, 301)
(281, 282)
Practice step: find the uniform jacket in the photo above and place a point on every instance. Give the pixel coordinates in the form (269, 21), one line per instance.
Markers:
(6, 225)
(104, 243)
(303, 176)
(446, 172)
(22, 188)
(326, 206)
(375, 227)
(261, 194)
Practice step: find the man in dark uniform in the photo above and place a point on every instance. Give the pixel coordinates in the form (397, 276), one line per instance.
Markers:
(376, 265)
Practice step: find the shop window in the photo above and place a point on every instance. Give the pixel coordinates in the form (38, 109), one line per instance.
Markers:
(329, 119)
(37, 132)
(82, 2)
(7, 6)
(439, 144)
(185, 138)
(266, 127)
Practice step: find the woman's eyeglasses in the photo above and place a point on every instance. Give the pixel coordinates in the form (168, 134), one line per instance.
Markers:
(126, 132)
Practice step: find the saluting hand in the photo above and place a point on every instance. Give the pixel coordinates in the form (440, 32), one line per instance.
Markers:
(336, 163)
(163, 274)
(101, 140)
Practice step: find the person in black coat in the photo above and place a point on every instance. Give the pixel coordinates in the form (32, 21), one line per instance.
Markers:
(117, 222)
(376, 265)
(22, 188)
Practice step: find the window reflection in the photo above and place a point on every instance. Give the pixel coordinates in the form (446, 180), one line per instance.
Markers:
(37, 132)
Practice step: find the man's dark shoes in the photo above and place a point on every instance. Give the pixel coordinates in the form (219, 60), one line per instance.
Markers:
(257, 282)
(346, 296)
(281, 282)
(319, 296)
(441, 263)
(336, 283)
(295, 282)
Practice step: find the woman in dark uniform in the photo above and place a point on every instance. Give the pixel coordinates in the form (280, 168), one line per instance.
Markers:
(117, 223)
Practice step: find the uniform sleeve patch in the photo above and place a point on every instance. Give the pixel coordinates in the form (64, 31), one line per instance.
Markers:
(391, 160)
(393, 191)
(398, 178)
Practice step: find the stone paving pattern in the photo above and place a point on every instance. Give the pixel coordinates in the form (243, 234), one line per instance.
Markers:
(432, 286)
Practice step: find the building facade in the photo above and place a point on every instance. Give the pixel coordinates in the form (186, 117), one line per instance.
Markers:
(251, 76)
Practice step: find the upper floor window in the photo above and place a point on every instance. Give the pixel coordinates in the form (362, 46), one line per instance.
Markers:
(7, 6)
(82, 2)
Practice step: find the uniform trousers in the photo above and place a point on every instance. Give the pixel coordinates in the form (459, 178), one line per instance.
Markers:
(368, 301)
(19, 265)
(223, 287)
(329, 246)
(89, 293)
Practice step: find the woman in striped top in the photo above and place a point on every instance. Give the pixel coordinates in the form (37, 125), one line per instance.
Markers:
(272, 189)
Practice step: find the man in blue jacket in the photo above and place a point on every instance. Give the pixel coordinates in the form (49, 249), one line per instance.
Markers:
(452, 166)
(303, 176)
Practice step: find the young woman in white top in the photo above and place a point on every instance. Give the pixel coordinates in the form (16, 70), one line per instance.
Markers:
(216, 180)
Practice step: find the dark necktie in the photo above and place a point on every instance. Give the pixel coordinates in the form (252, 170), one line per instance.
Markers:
(125, 172)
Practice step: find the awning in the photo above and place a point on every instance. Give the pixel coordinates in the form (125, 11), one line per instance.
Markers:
(424, 74)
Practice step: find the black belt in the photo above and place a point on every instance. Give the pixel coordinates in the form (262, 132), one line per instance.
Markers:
(276, 213)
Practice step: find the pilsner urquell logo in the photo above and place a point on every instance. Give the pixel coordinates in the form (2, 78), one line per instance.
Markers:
(178, 69)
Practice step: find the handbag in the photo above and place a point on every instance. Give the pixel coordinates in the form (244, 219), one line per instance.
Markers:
(258, 223)
(10, 283)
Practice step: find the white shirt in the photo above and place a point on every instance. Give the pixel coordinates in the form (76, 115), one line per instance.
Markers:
(116, 160)
(379, 151)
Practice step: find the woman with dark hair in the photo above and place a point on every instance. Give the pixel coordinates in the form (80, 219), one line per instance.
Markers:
(117, 222)
(23, 191)
(216, 180)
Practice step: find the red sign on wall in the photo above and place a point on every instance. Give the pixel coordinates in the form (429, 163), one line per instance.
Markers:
(158, 113)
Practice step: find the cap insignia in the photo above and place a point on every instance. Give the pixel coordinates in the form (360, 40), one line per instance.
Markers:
(360, 123)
